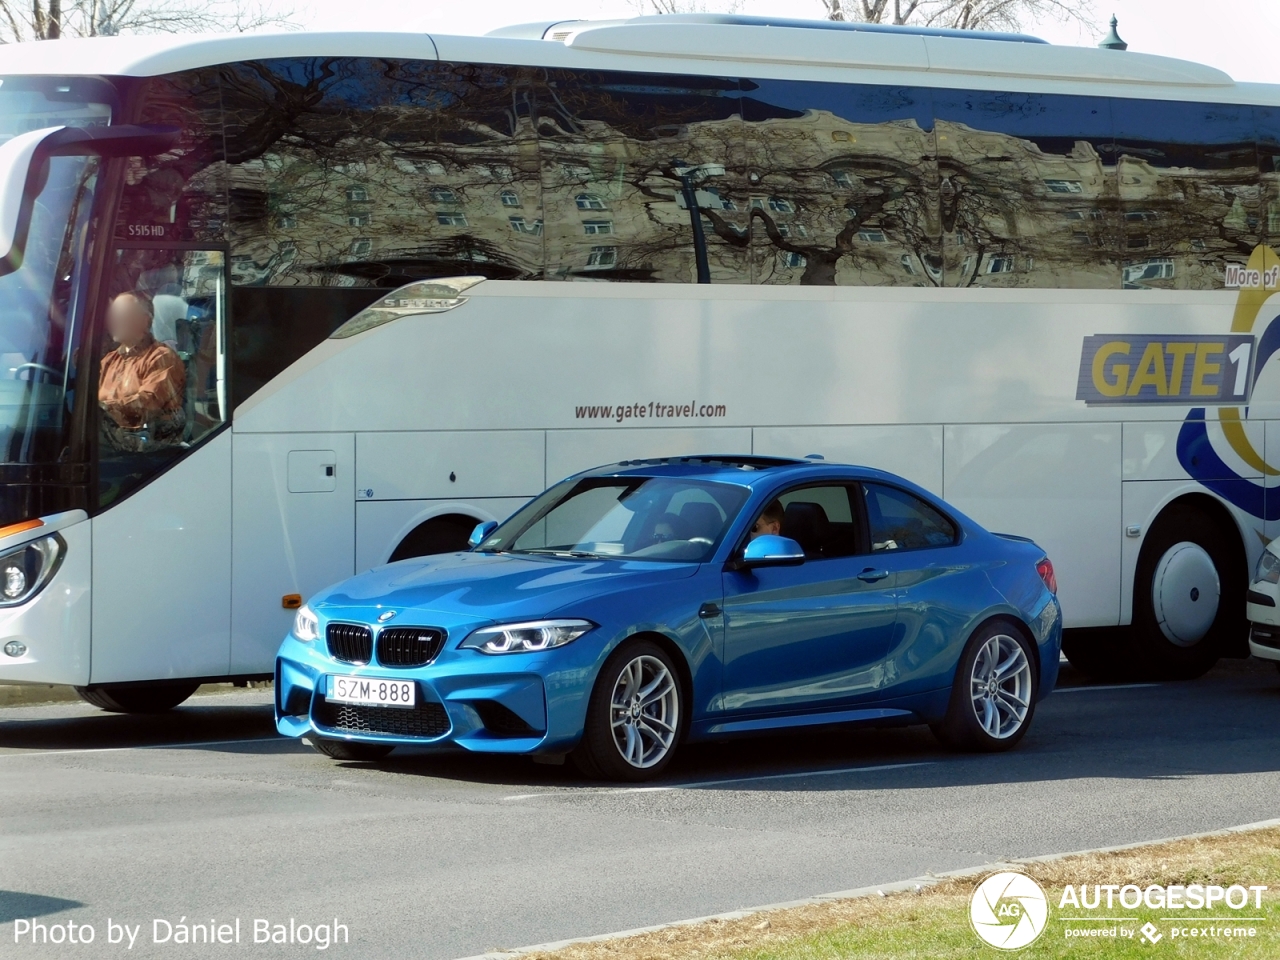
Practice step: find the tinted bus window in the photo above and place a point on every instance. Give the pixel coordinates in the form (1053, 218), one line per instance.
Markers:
(1189, 192)
(363, 172)
(180, 195)
(643, 178)
(274, 326)
(1026, 197)
(843, 184)
(1267, 124)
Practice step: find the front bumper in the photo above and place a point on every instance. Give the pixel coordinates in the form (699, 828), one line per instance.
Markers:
(1264, 620)
(1264, 641)
(512, 704)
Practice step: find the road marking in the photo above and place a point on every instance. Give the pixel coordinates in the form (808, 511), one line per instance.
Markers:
(1106, 686)
(700, 784)
(146, 746)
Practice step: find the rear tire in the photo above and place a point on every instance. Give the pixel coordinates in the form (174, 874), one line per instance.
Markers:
(1169, 641)
(348, 750)
(635, 718)
(993, 697)
(136, 697)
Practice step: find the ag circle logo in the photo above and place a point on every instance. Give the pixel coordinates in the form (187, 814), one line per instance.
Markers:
(1008, 911)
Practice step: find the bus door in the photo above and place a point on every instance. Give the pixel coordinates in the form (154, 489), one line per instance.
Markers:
(162, 539)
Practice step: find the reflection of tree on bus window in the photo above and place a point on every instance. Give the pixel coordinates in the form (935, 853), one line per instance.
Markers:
(141, 385)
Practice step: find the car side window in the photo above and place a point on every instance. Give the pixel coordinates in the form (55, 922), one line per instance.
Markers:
(821, 520)
(898, 520)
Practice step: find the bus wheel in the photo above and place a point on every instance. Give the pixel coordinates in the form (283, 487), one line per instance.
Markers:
(1188, 596)
(136, 697)
(443, 534)
(347, 750)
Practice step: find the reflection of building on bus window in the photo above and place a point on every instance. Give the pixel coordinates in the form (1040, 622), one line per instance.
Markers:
(142, 382)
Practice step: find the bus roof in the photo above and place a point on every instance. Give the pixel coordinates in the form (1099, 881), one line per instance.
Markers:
(697, 44)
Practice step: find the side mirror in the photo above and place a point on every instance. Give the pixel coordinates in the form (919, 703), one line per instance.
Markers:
(772, 551)
(481, 533)
(24, 163)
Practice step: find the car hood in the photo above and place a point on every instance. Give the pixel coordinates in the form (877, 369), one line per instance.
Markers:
(484, 586)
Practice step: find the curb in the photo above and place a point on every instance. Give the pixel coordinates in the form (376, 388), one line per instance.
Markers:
(29, 694)
(915, 884)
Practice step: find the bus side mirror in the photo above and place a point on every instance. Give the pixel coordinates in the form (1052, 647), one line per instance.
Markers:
(481, 533)
(24, 169)
(770, 550)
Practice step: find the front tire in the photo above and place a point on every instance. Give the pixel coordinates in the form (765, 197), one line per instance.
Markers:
(349, 750)
(993, 697)
(635, 716)
(136, 697)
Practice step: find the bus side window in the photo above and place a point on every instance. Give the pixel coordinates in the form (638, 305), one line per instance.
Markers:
(1188, 185)
(1026, 193)
(642, 178)
(844, 184)
(1267, 124)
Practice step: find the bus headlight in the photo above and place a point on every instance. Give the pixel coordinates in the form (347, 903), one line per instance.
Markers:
(24, 571)
(306, 625)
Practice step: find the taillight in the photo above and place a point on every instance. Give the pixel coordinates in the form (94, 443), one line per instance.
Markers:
(1045, 569)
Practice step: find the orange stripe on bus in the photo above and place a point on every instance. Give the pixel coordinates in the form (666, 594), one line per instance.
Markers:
(20, 527)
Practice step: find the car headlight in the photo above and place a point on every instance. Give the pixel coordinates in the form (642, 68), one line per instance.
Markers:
(306, 625)
(24, 571)
(1268, 570)
(527, 637)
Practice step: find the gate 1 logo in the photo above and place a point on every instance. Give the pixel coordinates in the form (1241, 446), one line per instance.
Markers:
(1008, 911)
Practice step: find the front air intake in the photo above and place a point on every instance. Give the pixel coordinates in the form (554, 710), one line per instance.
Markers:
(409, 646)
(350, 642)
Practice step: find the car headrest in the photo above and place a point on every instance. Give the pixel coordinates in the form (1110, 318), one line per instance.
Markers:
(703, 519)
(807, 524)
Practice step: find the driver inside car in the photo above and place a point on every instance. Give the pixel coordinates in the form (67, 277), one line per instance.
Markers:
(769, 521)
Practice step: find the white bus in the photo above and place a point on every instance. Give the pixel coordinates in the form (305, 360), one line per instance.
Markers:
(1033, 279)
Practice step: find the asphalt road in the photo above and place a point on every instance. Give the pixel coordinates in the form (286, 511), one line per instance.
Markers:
(202, 814)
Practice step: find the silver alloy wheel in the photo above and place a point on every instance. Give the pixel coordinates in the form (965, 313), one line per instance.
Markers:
(1000, 686)
(644, 711)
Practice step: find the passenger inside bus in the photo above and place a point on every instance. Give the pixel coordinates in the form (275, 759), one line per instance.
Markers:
(770, 521)
(168, 308)
(142, 382)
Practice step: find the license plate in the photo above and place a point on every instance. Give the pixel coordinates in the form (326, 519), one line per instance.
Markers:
(372, 690)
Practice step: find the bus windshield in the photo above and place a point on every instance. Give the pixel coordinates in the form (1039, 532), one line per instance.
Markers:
(40, 301)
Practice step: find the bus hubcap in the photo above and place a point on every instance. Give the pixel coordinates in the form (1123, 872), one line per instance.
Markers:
(1184, 593)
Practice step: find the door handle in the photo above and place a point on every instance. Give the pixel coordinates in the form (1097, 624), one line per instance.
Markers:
(709, 610)
(871, 575)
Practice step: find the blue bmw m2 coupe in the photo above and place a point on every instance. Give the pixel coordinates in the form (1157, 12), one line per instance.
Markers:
(639, 605)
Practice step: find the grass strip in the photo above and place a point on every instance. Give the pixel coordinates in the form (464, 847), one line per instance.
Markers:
(934, 922)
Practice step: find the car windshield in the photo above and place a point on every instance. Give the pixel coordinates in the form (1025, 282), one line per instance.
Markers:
(641, 518)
